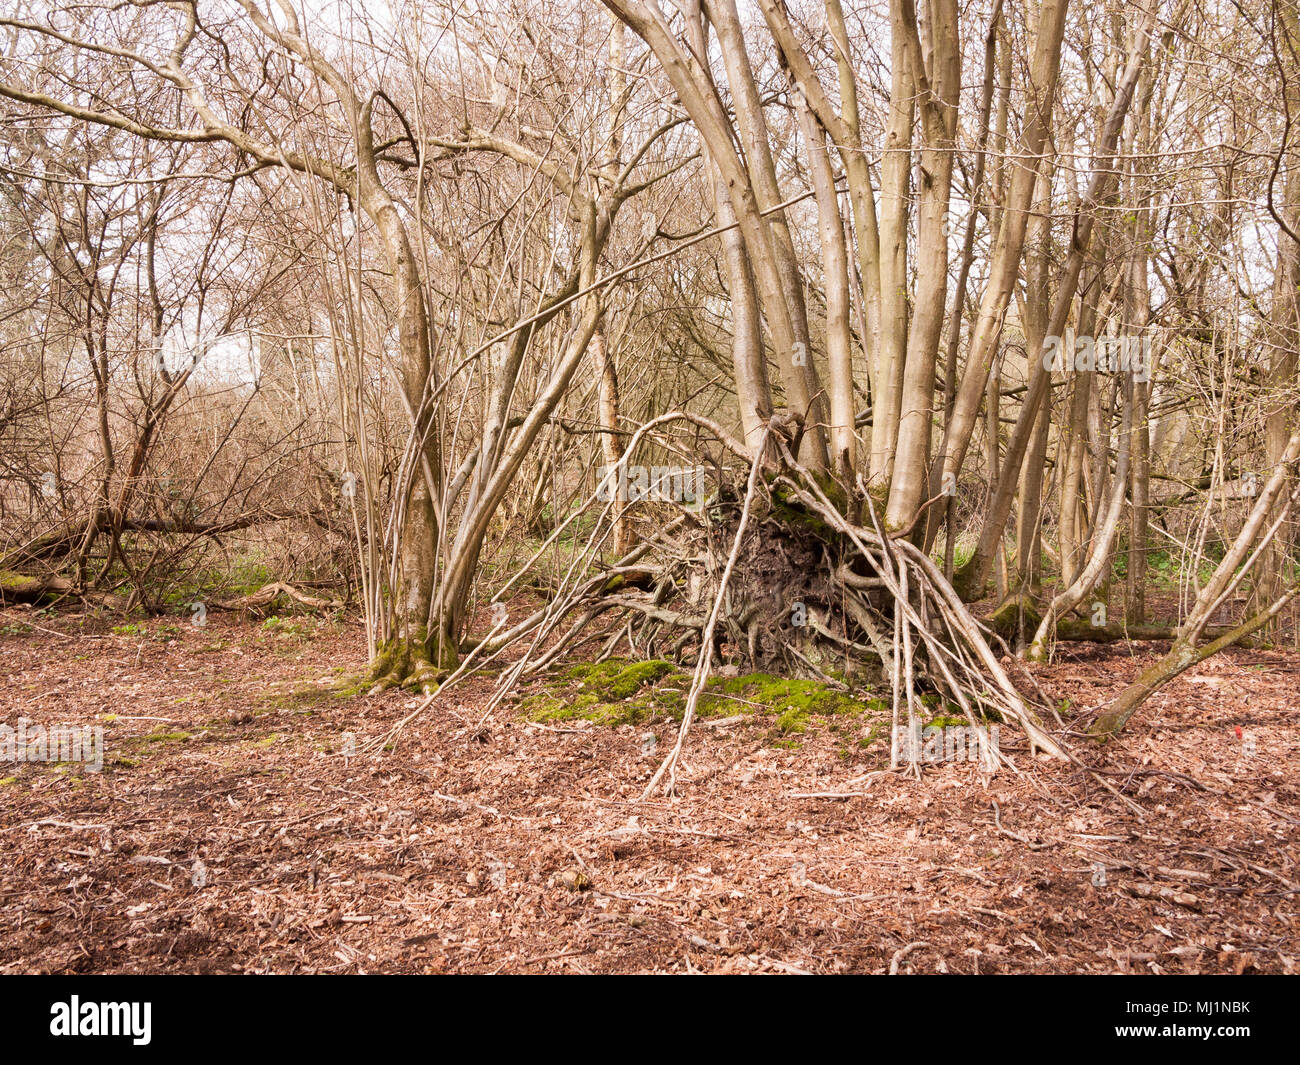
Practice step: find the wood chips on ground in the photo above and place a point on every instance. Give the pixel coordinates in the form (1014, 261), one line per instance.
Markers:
(230, 830)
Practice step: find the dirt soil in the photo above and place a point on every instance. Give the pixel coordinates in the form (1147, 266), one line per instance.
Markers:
(240, 824)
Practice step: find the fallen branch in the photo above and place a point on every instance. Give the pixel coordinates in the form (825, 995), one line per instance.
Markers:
(268, 593)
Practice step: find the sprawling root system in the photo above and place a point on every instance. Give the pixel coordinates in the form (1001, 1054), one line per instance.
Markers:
(815, 589)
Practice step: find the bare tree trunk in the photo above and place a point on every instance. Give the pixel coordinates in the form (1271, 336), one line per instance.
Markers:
(1137, 304)
(1072, 530)
(835, 274)
(895, 171)
(938, 89)
(753, 394)
(1137, 312)
(1284, 320)
(749, 361)
(865, 223)
(607, 416)
(416, 654)
(993, 437)
(756, 141)
(699, 97)
(1029, 520)
(1044, 70)
(1135, 610)
(1034, 317)
(1281, 381)
(973, 575)
(1100, 559)
(845, 132)
(607, 398)
(977, 196)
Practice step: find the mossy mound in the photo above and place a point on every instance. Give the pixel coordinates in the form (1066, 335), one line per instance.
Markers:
(618, 679)
(795, 702)
(618, 692)
(1015, 615)
(947, 721)
(614, 692)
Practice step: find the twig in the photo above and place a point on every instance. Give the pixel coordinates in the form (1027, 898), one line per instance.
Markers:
(704, 664)
(901, 954)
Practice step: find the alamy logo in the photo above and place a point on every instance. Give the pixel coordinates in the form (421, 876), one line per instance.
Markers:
(1126, 354)
(58, 743)
(669, 484)
(103, 1018)
(951, 743)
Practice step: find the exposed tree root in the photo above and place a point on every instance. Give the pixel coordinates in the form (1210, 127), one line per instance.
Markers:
(268, 593)
(810, 592)
(405, 663)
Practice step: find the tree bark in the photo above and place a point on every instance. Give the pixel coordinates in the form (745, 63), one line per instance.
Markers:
(1044, 71)
(938, 89)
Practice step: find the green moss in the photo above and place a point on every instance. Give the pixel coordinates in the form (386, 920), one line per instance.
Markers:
(19, 584)
(406, 663)
(792, 721)
(797, 702)
(794, 515)
(351, 691)
(613, 692)
(350, 685)
(1015, 615)
(285, 627)
(617, 679)
(242, 576)
(617, 692)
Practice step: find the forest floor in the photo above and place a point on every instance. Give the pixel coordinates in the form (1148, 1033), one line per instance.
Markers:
(238, 825)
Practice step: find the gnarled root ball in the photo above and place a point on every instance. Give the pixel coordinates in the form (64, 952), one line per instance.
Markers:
(815, 594)
(787, 606)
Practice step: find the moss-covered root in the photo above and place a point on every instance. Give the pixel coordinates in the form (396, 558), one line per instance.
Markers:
(405, 663)
(1016, 617)
(964, 583)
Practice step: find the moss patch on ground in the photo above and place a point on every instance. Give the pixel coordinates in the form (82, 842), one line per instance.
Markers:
(618, 692)
(158, 737)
